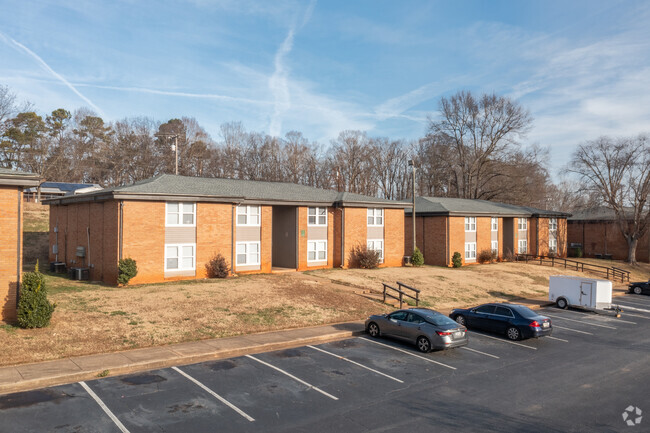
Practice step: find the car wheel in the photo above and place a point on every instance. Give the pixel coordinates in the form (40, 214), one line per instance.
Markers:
(424, 345)
(513, 333)
(460, 319)
(561, 303)
(637, 290)
(373, 329)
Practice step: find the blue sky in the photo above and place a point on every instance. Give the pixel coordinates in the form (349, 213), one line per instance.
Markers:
(581, 67)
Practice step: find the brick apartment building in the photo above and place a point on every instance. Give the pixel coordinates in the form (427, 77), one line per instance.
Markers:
(11, 240)
(173, 225)
(448, 225)
(596, 232)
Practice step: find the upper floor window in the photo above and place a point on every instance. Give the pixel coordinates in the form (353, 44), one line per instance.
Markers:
(522, 223)
(495, 224)
(470, 224)
(180, 214)
(248, 215)
(552, 224)
(375, 217)
(317, 216)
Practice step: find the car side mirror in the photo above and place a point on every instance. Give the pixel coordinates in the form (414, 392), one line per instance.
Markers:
(473, 310)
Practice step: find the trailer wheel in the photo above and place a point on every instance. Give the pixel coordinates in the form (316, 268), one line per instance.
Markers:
(561, 303)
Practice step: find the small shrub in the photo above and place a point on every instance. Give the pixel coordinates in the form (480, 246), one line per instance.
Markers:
(486, 256)
(365, 258)
(417, 259)
(508, 255)
(217, 267)
(127, 269)
(457, 260)
(576, 252)
(34, 309)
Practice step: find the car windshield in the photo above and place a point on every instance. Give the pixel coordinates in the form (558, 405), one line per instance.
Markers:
(524, 311)
(438, 319)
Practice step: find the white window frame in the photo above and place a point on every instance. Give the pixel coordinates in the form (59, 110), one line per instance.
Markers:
(470, 224)
(494, 246)
(522, 223)
(312, 246)
(552, 224)
(316, 217)
(248, 253)
(375, 213)
(247, 212)
(180, 257)
(494, 224)
(525, 244)
(470, 254)
(381, 251)
(180, 214)
(552, 246)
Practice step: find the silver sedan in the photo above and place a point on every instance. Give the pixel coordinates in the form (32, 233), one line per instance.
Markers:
(427, 329)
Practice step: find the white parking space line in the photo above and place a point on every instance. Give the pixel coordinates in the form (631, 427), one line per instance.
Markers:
(478, 351)
(635, 315)
(597, 317)
(631, 301)
(308, 385)
(104, 407)
(215, 395)
(505, 341)
(634, 308)
(356, 363)
(408, 353)
(555, 338)
(581, 321)
(574, 330)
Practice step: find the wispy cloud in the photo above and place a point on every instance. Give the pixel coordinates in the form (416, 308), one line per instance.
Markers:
(41, 62)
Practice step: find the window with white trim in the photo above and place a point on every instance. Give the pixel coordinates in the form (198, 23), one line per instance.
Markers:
(180, 214)
(317, 216)
(248, 253)
(495, 247)
(495, 224)
(376, 245)
(316, 251)
(180, 257)
(470, 250)
(522, 223)
(375, 217)
(552, 245)
(470, 224)
(552, 224)
(523, 246)
(248, 215)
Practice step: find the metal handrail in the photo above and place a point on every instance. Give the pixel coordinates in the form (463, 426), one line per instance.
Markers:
(614, 272)
(401, 293)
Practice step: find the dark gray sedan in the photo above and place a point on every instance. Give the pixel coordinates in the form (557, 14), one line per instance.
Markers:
(427, 329)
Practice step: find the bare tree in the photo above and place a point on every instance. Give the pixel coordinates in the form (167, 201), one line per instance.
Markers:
(388, 159)
(617, 170)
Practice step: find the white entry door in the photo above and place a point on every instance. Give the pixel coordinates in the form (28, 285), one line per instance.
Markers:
(585, 294)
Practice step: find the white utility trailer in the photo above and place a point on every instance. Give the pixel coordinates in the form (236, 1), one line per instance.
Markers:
(588, 293)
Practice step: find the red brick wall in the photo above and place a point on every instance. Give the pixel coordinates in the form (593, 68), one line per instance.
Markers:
(393, 237)
(337, 229)
(356, 230)
(266, 239)
(10, 250)
(302, 240)
(144, 239)
(213, 234)
(483, 234)
(456, 237)
(431, 235)
(605, 238)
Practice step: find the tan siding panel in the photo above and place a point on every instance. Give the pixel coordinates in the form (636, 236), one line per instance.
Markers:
(375, 232)
(180, 235)
(248, 234)
(317, 233)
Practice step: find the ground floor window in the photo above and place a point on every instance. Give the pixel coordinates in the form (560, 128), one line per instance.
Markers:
(316, 251)
(180, 257)
(495, 247)
(377, 245)
(248, 253)
(552, 245)
(523, 246)
(470, 250)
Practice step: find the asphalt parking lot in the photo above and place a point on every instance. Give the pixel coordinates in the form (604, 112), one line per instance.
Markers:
(581, 379)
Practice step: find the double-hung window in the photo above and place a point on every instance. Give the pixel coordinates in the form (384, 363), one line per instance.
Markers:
(552, 224)
(522, 223)
(470, 250)
(552, 245)
(180, 257)
(495, 224)
(248, 253)
(317, 216)
(376, 245)
(375, 217)
(523, 246)
(470, 224)
(180, 214)
(248, 215)
(316, 251)
(495, 247)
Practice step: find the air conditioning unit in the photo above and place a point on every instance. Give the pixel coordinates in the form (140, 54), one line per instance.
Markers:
(79, 273)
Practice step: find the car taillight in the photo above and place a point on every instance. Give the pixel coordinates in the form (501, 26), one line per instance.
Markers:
(534, 324)
(443, 333)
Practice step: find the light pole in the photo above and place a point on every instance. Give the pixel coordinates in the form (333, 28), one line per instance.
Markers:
(412, 164)
(175, 146)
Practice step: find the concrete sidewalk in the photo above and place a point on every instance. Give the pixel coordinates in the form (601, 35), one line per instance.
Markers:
(50, 373)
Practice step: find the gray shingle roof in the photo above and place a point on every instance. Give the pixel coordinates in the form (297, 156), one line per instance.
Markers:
(599, 213)
(15, 177)
(62, 186)
(17, 173)
(235, 190)
(461, 206)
